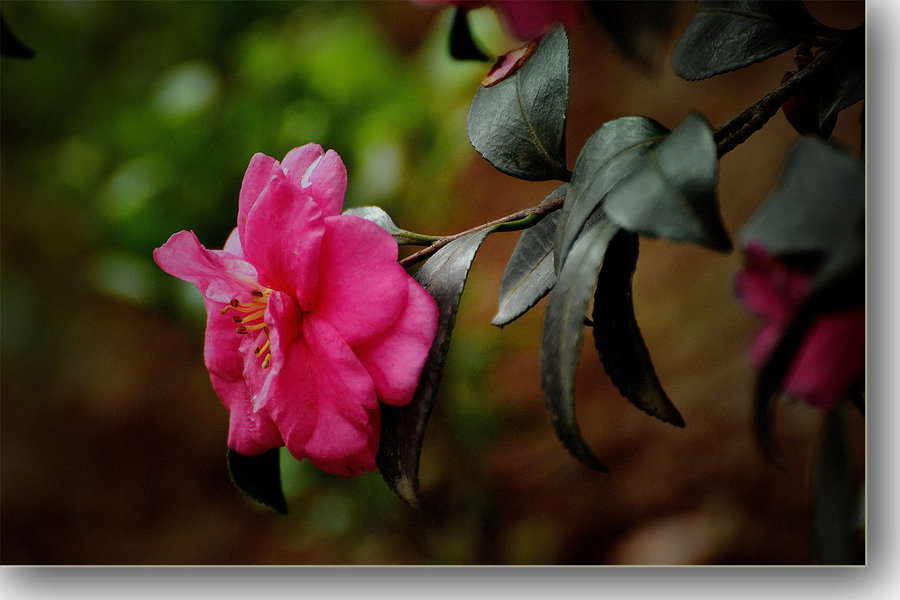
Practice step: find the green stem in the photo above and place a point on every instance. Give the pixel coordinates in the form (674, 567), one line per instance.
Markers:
(409, 238)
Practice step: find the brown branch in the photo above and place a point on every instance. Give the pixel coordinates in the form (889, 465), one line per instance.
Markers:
(737, 130)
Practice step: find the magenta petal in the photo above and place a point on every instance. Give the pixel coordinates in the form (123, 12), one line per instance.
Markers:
(830, 360)
(284, 320)
(249, 432)
(345, 438)
(219, 275)
(256, 178)
(321, 175)
(362, 288)
(395, 358)
(282, 239)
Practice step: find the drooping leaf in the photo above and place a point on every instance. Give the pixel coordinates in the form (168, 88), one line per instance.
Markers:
(403, 428)
(618, 338)
(671, 193)
(834, 502)
(843, 81)
(259, 477)
(563, 332)
(726, 35)
(462, 44)
(612, 152)
(818, 194)
(529, 274)
(518, 124)
(639, 29)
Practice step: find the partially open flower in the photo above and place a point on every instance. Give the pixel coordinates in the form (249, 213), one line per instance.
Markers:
(310, 319)
(831, 359)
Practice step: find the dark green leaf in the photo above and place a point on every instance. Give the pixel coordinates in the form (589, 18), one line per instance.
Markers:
(402, 428)
(259, 477)
(519, 124)
(611, 153)
(618, 338)
(462, 44)
(843, 82)
(529, 274)
(671, 193)
(639, 29)
(563, 331)
(817, 197)
(834, 505)
(728, 35)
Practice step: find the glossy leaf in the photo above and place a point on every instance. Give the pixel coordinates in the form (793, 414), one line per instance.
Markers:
(618, 338)
(402, 428)
(563, 332)
(529, 274)
(671, 193)
(259, 477)
(820, 190)
(612, 152)
(640, 30)
(843, 82)
(518, 124)
(727, 35)
(462, 44)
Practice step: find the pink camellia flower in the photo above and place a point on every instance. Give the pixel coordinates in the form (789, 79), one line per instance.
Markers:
(526, 18)
(831, 358)
(310, 319)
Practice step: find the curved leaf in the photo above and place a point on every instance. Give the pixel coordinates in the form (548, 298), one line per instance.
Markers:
(818, 194)
(259, 477)
(728, 35)
(403, 427)
(562, 335)
(377, 215)
(612, 152)
(672, 191)
(519, 124)
(618, 338)
(529, 274)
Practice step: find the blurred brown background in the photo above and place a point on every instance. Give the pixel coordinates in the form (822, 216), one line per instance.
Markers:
(113, 442)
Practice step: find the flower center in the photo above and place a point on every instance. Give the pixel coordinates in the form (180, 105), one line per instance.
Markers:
(250, 318)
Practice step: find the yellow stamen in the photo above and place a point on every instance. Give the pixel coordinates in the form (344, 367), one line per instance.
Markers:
(252, 319)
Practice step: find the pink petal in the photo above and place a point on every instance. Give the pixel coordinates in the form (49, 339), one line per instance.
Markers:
(321, 175)
(530, 18)
(219, 275)
(284, 320)
(282, 239)
(249, 432)
(362, 288)
(830, 361)
(256, 178)
(395, 358)
(233, 244)
(345, 438)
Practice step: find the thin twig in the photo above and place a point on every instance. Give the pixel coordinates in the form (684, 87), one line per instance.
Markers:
(737, 130)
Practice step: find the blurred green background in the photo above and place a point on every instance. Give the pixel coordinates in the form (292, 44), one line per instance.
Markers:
(137, 119)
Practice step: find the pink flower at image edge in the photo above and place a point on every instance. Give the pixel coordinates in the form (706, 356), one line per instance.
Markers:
(526, 19)
(830, 359)
(310, 318)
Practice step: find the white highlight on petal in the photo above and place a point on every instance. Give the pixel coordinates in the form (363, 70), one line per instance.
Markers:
(304, 181)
